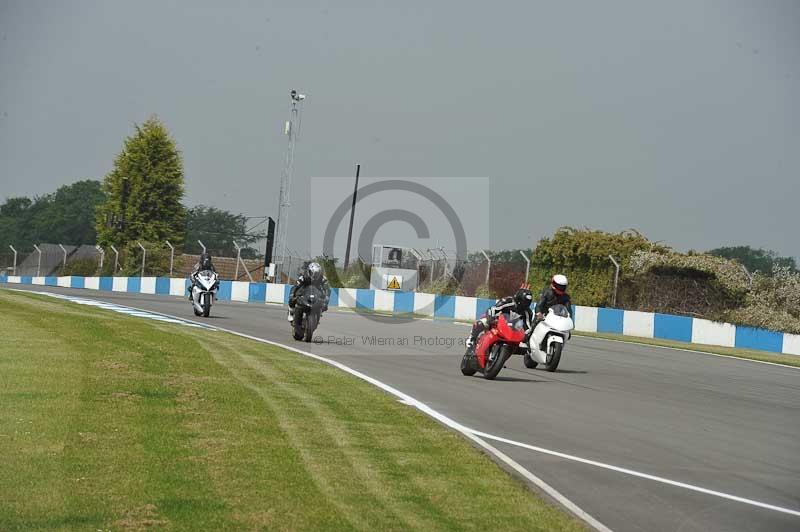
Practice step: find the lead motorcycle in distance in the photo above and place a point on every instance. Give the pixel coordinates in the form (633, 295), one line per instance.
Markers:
(548, 338)
(494, 346)
(204, 292)
(307, 312)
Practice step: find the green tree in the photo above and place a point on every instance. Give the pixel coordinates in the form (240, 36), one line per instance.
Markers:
(65, 217)
(755, 260)
(144, 190)
(217, 229)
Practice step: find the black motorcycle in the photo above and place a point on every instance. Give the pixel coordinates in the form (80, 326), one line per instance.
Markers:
(307, 312)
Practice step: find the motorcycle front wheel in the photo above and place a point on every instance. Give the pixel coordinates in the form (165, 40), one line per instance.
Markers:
(497, 362)
(297, 326)
(554, 356)
(311, 326)
(206, 305)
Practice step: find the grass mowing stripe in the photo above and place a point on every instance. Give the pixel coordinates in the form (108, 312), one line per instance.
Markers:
(118, 422)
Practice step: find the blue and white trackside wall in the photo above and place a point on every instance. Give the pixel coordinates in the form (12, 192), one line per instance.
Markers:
(587, 319)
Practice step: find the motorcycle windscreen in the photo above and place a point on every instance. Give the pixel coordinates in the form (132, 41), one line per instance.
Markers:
(558, 318)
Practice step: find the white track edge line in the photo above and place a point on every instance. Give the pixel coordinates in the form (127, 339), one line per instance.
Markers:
(634, 342)
(441, 418)
(631, 472)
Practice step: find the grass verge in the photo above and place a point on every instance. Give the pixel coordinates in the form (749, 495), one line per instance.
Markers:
(786, 360)
(114, 422)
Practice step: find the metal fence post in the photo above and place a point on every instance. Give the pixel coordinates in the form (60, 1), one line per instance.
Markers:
(64, 267)
(39, 263)
(527, 265)
(144, 256)
(202, 246)
(116, 260)
(238, 256)
(171, 256)
(102, 256)
(15, 259)
(616, 280)
(488, 267)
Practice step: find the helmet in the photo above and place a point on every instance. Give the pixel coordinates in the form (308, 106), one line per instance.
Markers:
(523, 299)
(314, 271)
(559, 284)
(205, 261)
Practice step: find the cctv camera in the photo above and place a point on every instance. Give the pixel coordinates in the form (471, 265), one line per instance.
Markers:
(301, 96)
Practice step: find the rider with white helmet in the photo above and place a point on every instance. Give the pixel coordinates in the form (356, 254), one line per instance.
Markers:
(311, 275)
(555, 294)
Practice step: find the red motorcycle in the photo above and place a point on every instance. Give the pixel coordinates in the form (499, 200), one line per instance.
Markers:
(493, 347)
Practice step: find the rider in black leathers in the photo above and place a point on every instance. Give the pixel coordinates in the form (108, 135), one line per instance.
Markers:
(520, 303)
(203, 263)
(555, 294)
(311, 275)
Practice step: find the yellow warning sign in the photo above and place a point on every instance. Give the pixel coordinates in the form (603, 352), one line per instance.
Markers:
(394, 284)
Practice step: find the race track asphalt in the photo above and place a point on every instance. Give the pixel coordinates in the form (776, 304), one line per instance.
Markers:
(725, 425)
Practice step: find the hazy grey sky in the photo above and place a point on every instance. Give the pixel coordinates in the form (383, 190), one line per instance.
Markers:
(680, 118)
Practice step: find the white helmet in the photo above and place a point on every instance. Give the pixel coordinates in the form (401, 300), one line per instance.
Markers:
(314, 271)
(559, 284)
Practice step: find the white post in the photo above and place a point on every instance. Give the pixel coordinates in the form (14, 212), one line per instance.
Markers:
(239, 260)
(15, 259)
(64, 267)
(488, 267)
(238, 256)
(527, 266)
(39, 263)
(116, 260)
(616, 280)
(102, 256)
(171, 256)
(144, 255)
(202, 246)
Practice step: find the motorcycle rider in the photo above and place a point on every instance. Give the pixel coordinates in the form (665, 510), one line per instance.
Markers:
(311, 276)
(555, 294)
(520, 303)
(203, 263)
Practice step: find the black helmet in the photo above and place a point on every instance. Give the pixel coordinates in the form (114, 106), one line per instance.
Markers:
(523, 299)
(205, 261)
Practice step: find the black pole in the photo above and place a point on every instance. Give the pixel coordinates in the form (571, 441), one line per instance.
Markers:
(352, 215)
(270, 244)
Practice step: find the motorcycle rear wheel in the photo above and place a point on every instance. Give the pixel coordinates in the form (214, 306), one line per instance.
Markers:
(467, 367)
(529, 362)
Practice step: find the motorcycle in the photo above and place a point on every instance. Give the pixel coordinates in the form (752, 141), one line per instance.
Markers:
(548, 338)
(494, 347)
(307, 312)
(204, 292)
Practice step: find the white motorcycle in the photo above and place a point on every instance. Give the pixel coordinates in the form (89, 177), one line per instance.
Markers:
(204, 292)
(548, 338)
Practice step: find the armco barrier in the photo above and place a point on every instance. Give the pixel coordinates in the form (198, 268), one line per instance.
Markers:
(587, 319)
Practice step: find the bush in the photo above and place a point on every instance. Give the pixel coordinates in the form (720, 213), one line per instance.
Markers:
(81, 267)
(582, 255)
(445, 286)
(485, 292)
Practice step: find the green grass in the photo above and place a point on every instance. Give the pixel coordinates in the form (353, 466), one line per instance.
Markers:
(787, 360)
(113, 422)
